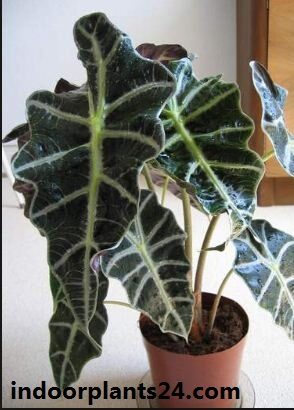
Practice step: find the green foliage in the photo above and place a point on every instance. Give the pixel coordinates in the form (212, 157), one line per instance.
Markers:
(79, 158)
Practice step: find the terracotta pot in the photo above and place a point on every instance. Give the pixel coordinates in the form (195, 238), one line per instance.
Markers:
(216, 370)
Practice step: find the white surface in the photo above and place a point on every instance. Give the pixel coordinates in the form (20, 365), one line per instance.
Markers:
(269, 355)
(38, 45)
(9, 150)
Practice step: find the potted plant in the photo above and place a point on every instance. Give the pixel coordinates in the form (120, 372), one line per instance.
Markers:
(80, 155)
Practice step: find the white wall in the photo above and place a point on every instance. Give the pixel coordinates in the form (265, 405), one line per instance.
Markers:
(38, 46)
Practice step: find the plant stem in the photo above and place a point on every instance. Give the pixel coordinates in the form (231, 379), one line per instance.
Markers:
(188, 224)
(146, 173)
(215, 305)
(268, 155)
(194, 333)
(164, 189)
(200, 269)
(117, 302)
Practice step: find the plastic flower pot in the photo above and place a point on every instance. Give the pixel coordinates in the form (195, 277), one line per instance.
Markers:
(211, 374)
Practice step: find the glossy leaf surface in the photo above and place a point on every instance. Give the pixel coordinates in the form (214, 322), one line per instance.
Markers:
(273, 99)
(206, 146)
(268, 269)
(152, 266)
(70, 347)
(86, 149)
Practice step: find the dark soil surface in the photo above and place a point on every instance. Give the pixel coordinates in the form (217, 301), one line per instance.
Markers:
(229, 329)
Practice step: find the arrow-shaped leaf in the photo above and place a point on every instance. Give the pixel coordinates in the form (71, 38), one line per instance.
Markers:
(151, 264)
(206, 146)
(273, 99)
(268, 269)
(86, 149)
(70, 347)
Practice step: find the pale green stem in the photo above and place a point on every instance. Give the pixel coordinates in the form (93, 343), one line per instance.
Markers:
(200, 269)
(268, 155)
(188, 224)
(215, 305)
(164, 189)
(146, 173)
(117, 302)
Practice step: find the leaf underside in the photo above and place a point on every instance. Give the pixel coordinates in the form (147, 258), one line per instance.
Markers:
(86, 149)
(163, 52)
(158, 178)
(268, 269)
(206, 147)
(273, 99)
(152, 266)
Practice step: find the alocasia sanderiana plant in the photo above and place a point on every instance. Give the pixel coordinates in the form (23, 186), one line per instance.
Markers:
(80, 156)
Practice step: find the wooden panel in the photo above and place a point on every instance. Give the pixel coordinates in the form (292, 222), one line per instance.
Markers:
(252, 44)
(281, 64)
(273, 167)
(252, 27)
(281, 50)
(277, 191)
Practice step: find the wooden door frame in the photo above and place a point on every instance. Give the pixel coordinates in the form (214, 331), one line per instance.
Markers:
(252, 44)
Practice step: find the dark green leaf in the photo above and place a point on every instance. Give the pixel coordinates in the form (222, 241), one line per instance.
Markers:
(266, 263)
(86, 150)
(273, 99)
(152, 266)
(70, 347)
(206, 147)
(22, 134)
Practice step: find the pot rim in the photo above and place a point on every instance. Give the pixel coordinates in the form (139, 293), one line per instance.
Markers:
(245, 320)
